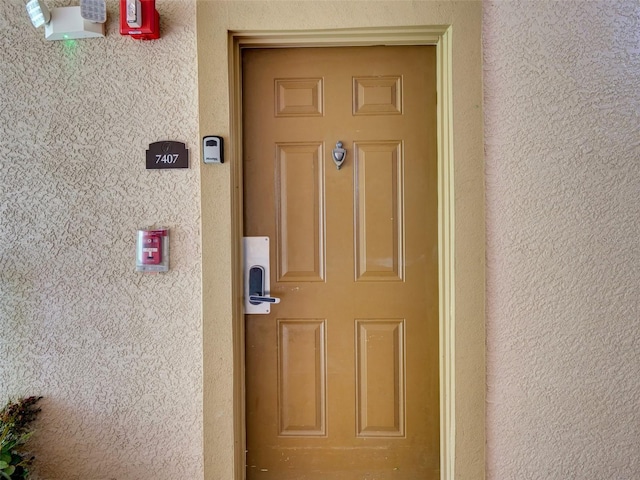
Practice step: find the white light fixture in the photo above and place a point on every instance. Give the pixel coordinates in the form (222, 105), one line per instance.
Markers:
(94, 10)
(63, 23)
(38, 13)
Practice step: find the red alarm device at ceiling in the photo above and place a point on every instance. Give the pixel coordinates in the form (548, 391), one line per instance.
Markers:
(139, 19)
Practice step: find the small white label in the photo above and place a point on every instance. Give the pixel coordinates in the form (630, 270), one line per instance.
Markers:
(133, 13)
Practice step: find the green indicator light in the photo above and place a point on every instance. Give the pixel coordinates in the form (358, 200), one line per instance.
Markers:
(69, 46)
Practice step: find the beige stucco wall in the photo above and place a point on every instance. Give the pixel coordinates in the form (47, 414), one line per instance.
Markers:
(562, 123)
(116, 354)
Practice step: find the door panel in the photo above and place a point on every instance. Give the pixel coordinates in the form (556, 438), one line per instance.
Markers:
(342, 376)
(300, 212)
(379, 188)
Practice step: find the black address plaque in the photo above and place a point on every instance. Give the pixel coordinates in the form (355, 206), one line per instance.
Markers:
(167, 154)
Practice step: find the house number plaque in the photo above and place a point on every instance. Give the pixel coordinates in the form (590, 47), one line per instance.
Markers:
(167, 154)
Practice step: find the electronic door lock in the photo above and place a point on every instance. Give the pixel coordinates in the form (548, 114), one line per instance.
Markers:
(256, 276)
(256, 287)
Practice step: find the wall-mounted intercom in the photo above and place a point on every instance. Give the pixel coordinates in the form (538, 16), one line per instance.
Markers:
(212, 149)
(139, 19)
(152, 250)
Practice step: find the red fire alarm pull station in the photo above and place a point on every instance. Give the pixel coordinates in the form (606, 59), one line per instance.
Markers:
(139, 19)
(152, 250)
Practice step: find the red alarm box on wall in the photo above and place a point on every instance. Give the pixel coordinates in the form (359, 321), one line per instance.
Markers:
(152, 250)
(139, 19)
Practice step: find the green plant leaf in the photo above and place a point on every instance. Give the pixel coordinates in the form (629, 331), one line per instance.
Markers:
(15, 431)
(7, 447)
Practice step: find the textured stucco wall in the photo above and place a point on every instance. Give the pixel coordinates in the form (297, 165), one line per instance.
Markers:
(562, 123)
(116, 354)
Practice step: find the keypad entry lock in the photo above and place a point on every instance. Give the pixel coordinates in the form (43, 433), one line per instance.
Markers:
(256, 287)
(256, 276)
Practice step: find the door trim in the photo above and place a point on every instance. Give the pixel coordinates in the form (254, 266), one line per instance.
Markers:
(440, 37)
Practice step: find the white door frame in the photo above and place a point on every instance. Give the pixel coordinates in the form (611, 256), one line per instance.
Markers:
(440, 37)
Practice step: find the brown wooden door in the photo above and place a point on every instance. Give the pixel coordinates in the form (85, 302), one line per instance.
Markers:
(342, 376)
